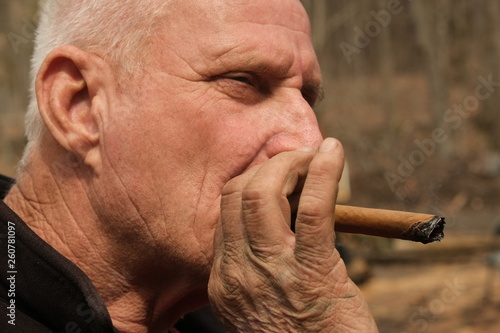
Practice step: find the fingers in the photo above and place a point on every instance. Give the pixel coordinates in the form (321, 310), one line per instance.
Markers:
(300, 276)
(231, 228)
(314, 225)
(255, 208)
(265, 206)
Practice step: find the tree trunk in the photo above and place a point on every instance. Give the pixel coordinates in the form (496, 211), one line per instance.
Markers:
(432, 21)
(488, 118)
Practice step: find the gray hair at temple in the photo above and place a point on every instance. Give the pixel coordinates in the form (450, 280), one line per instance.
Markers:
(116, 30)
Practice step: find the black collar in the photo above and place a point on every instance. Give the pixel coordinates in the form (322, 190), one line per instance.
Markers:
(5, 185)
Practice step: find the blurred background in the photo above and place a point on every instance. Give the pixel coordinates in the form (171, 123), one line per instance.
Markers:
(412, 89)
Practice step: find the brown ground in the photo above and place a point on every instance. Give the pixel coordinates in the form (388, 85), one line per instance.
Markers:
(452, 291)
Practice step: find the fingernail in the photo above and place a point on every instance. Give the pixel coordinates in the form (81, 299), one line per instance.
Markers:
(328, 145)
(306, 149)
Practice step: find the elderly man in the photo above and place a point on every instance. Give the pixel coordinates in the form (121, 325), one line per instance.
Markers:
(174, 160)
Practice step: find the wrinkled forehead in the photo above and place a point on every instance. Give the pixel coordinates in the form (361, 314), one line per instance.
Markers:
(286, 13)
(289, 14)
(203, 31)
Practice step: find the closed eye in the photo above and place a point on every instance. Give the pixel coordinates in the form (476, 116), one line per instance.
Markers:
(246, 87)
(243, 77)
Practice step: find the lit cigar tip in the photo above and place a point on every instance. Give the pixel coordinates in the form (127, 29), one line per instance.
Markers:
(426, 232)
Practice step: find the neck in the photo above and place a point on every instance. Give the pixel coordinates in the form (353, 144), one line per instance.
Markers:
(141, 292)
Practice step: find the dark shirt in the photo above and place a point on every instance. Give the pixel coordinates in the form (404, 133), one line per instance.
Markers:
(42, 291)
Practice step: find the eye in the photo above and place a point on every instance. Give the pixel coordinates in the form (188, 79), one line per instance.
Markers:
(243, 77)
(245, 87)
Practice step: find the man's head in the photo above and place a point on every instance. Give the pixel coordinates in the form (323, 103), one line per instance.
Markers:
(223, 85)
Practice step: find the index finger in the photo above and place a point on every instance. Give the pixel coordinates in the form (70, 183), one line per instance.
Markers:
(314, 226)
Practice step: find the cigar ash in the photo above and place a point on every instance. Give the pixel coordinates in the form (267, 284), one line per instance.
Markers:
(426, 232)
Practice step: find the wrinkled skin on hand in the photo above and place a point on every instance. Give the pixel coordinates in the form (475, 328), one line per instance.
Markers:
(265, 277)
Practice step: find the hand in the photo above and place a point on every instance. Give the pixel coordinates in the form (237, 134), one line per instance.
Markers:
(265, 277)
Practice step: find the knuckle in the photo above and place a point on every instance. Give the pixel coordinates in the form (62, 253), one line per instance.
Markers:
(313, 207)
(253, 193)
(311, 215)
(254, 197)
(231, 187)
(268, 252)
(323, 170)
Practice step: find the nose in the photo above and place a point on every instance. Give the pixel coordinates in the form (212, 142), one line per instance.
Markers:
(298, 127)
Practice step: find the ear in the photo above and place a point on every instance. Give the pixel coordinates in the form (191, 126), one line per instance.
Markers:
(71, 101)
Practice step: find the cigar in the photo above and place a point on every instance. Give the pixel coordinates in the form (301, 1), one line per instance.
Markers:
(415, 227)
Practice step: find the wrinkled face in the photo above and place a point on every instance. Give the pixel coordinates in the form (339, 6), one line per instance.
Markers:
(229, 84)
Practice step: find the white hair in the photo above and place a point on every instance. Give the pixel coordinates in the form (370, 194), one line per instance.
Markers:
(117, 30)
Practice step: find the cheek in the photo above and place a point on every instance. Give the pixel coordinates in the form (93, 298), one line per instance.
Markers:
(194, 140)
(236, 141)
